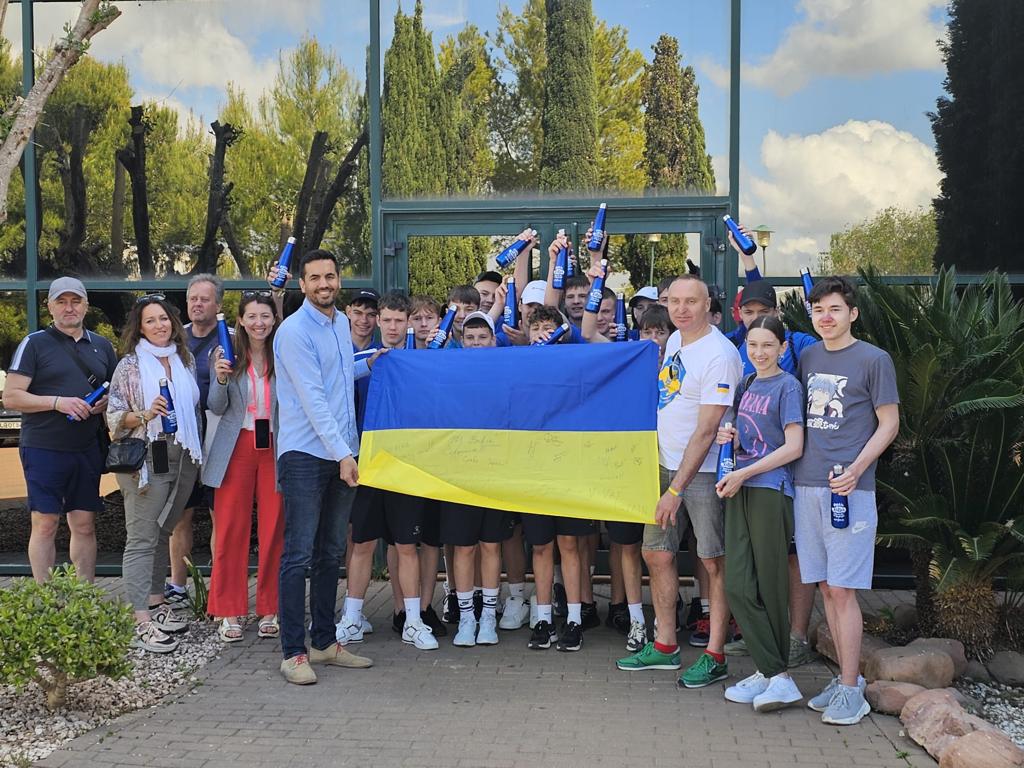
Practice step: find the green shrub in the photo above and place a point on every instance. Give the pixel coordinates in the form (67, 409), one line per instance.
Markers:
(62, 632)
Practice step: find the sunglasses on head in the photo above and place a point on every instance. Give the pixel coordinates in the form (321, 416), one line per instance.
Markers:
(256, 294)
(149, 298)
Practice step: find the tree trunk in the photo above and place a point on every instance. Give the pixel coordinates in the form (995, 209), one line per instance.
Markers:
(117, 216)
(920, 558)
(72, 176)
(228, 230)
(133, 158)
(314, 164)
(93, 17)
(334, 192)
(216, 204)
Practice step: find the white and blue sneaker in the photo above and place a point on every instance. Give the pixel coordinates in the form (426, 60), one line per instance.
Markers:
(466, 636)
(747, 689)
(347, 631)
(820, 702)
(847, 707)
(487, 634)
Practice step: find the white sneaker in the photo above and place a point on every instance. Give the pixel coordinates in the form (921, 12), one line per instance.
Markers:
(466, 636)
(366, 626)
(637, 637)
(148, 637)
(167, 620)
(348, 631)
(781, 692)
(417, 633)
(747, 689)
(517, 613)
(487, 633)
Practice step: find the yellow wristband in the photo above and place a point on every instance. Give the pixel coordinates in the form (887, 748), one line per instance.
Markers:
(673, 491)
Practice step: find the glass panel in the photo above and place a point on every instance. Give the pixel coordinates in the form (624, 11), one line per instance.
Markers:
(835, 129)
(466, 87)
(278, 72)
(13, 324)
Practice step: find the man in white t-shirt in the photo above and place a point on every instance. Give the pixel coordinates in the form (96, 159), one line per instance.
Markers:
(696, 385)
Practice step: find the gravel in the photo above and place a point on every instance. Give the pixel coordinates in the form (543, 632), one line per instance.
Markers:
(29, 731)
(1001, 705)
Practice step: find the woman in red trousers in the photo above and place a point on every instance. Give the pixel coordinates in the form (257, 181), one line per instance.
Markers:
(241, 467)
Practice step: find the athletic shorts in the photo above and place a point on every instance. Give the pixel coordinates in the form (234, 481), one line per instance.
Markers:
(700, 507)
(624, 533)
(542, 529)
(62, 481)
(841, 557)
(464, 525)
(395, 517)
(431, 523)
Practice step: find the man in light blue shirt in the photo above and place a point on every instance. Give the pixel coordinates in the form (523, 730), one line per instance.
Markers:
(316, 465)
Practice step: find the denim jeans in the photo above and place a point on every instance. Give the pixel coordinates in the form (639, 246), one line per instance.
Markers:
(317, 503)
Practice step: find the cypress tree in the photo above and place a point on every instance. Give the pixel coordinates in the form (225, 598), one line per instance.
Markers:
(569, 120)
(977, 137)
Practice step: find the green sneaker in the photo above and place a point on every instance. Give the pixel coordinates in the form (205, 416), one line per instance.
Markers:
(649, 657)
(800, 653)
(704, 671)
(737, 648)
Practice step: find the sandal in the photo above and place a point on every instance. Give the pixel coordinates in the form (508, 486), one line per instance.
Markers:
(268, 627)
(229, 631)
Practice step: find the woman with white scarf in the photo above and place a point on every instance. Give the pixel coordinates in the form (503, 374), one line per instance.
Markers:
(154, 341)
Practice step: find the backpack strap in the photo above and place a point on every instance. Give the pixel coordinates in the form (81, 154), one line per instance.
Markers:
(61, 339)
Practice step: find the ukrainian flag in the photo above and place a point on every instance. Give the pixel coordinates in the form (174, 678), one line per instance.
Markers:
(568, 430)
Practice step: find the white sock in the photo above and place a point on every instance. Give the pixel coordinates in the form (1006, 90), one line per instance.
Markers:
(412, 610)
(544, 613)
(353, 609)
(175, 587)
(636, 612)
(491, 601)
(465, 603)
(517, 590)
(575, 613)
(478, 589)
(705, 606)
(558, 575)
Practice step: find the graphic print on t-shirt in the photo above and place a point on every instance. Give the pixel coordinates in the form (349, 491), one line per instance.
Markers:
(825, 392)
(752, 404)
(670, 379)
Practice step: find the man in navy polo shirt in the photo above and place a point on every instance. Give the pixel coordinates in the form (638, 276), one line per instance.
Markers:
(52, 371)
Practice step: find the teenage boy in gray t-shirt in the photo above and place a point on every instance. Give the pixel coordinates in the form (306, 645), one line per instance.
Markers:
(852, 416)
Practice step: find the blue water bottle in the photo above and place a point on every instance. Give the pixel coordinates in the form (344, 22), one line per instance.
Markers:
(224, 339)
(621, 332)
(514, 251)
(570, 263)
(509, 314)
(840, 504)
(746, 245)
(597, 289)
(597, 233)
(94, 397)
(446, 327)
(410, 338)
(170, 421)
(726, 456)
(561, 266)
(805, 278)
(284, 261)
(555, 336)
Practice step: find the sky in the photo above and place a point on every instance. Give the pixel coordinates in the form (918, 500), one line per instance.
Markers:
(834, 99)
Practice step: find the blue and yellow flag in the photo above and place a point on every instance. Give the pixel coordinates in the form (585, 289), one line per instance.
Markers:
(568, 430)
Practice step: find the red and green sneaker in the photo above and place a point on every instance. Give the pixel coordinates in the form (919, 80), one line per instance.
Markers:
(649, 657)
(704, 672)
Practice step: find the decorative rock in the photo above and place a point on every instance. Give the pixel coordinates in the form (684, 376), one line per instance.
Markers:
(1007, 667)
(976, 671)
(982, 749)
(954, 648)
(935, 720)
(889, 697)
(927, 668)
(826, 646)
(905, 616)
(970, 704)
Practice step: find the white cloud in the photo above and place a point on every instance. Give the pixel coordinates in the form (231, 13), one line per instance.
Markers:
(818, 184)
(846, 38)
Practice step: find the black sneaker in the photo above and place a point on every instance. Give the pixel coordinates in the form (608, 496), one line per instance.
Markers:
(571, 638)
(451, 608)
(478, 604)
(590, 616)
(694, 614)
(398, 621)
(701, 635)
(618, 618)
(543, 634)
(432, 620)
(559, 600)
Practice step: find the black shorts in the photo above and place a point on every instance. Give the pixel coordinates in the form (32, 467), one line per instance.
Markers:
(395, 517)
(431, 523)
(463, 525)
(201, 496)
(624, 533)
(542, 529)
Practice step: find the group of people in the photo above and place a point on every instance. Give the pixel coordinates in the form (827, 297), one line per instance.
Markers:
(282, 412)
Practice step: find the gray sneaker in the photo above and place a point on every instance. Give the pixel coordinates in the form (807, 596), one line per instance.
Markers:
(847, 706)
(820, 702)
(800, 652)
(737, 648)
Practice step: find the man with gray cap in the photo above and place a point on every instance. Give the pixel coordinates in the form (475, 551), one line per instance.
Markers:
(51, 374)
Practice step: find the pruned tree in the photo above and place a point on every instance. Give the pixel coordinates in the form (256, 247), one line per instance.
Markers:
(218, 202)
(133, 158)
(22, 114)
